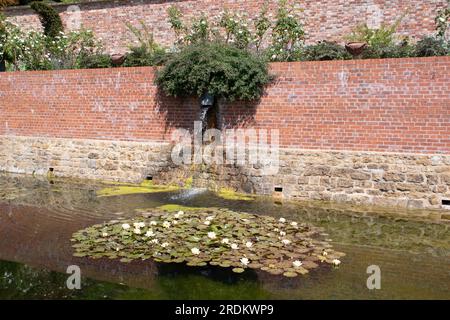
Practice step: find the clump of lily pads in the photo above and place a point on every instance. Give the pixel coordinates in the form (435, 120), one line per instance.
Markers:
(218, 237)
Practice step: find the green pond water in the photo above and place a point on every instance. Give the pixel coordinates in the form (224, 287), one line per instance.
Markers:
(38, 218)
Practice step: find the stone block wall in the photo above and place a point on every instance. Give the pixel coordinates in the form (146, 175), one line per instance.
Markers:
(324, 20)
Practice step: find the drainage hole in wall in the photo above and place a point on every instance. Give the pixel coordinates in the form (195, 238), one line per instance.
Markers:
(51, 169)
(149, 178)
(278, 189)
(446, 202)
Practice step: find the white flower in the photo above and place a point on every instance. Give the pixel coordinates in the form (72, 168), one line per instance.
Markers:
(297, 263)
(179, 214)
(149, 233)
(282, 233)
(153, 223)
(282, 220)
(104, 234)
(245, 261)
(139, 225)
(174, 222)
(166, 224)
(336, 262)
(165, 244)
(154, 241)
(286, 241)
(211, 235)
(234, 246)
(126, 226)
(209, 218)
(294, 224)
(207, 222)
(248, 244)
(195, 251)
(324, 253)
(225, 240)
(137, 231)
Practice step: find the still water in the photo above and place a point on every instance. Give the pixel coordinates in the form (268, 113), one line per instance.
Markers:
(38, 217)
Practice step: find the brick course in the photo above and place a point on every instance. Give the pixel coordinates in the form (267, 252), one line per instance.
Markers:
(392, 105)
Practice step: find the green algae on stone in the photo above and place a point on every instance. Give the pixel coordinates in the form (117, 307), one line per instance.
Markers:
(215, 236)
(144, 187)
(230, 194)
(178, 207)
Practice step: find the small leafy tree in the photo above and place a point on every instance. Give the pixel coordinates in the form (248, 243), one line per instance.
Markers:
(147, 52)
(443, 21)
(325, 50)
(49, 18)
(287, 34)
(216, 68)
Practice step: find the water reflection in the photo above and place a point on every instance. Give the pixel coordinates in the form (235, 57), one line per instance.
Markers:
(37, 219)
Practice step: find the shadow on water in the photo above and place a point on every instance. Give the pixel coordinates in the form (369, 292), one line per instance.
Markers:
(37, 220)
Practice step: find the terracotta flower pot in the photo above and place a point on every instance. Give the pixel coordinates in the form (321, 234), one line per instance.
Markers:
(355, 48)
(117, 59)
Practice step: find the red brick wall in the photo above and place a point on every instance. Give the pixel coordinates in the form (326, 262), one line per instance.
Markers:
(398, 105)
(323, 20)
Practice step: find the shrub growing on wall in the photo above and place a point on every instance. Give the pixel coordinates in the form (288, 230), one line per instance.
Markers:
(325, 50)
(49, 18)
(215, 68)
(430, 46)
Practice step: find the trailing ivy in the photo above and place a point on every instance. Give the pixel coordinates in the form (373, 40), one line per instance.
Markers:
(49, 18)
(215, 68)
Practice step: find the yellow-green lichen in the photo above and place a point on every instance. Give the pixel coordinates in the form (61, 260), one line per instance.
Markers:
(230, 194)
(145, 187)
(177, 207)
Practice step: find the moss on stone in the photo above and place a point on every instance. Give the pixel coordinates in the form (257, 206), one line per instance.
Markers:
(230, 194)
(177, 207)
(146, 186)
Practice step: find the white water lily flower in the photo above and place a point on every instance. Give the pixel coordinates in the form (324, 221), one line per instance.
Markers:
(294, 224)
(139, 224)
(245, 261)
(166, 224)
(297, 263)
(282, 233)
(282, 220)
(137, 231)
(153, 223)
(207, 222)
(286, 241)
(195, 251)
(104, 234)
(248, 244)
(211, 235)
(180, 213)
(175, 222)
(324, 253)
(336, 262)
(126, 226)
(209, 218)
(149, 233)
(154, 241)
(225, 240)
(165, 244)
(234, 246)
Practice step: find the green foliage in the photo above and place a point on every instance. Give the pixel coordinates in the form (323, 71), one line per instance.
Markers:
(97, 60)
(49, 18)
(442, 21)
(215, 68)
(380, 41)
(325, 50)
(430, 46)
(147, 52)
(287, 34)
